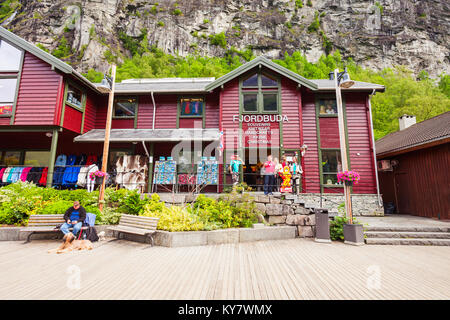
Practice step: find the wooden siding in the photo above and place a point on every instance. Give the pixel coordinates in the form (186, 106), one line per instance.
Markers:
(166, 111)
(145, 112)
(420, 184)
(4, 121)
(289, 107)
(37, 100)
(311, 160)
(72, 119)
(212, 110)
(329, 133)
(359, 141)
(230, 107)
(190, 122)
(90, 113)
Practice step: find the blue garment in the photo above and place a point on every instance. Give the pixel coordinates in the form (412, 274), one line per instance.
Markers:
(58, 176)
(75, 215)
(235, 165)
(70, 176)
(71, 160)
(76, 228)
(61, 160)
(15, 174)
(90, 219)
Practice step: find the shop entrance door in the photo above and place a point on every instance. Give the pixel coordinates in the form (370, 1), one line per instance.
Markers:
(253, 162)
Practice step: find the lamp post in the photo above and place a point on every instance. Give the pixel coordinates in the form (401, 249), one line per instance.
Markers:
(342, 80)
(107, 85)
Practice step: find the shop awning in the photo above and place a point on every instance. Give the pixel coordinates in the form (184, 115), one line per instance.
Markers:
(157, 135)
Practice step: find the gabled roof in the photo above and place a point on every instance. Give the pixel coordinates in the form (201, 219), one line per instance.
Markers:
(422, 133)
(262, 61)
(41, 54)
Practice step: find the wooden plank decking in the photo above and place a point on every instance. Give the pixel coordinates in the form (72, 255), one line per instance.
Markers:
(283, 269)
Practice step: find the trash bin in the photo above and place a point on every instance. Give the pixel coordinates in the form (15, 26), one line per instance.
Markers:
(322, 225)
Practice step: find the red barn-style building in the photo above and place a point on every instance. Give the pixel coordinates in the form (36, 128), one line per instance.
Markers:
(47, 109)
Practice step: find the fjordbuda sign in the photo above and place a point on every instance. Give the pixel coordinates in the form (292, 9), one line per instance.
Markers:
(261, 130)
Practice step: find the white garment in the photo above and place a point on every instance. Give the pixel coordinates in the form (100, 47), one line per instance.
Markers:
(82, 176)
(6, 174)
(91, 183)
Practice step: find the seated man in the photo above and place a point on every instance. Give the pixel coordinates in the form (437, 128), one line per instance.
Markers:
(74, 218)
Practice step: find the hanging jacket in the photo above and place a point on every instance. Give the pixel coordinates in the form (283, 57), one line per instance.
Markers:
(12, 177)
(91, 159)
(25, 171)
(82, 177)
(6, 174)
(2, 170)
(35, 174)
(61, 160)
(71, 160)
(81, 160)
(58, 175)
(43, 178)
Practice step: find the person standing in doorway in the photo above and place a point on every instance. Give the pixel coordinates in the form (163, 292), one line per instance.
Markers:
(295, 171)
(235, 166)
(269, 178)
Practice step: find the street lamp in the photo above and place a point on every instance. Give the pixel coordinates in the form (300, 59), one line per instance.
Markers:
(342, 80)
(106, 86)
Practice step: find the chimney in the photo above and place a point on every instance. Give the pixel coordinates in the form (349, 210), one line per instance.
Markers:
(406, 121)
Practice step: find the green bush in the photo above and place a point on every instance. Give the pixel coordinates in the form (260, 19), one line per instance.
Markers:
(57, 207)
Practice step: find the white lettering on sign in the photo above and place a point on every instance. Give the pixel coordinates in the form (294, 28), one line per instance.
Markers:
(261, 118)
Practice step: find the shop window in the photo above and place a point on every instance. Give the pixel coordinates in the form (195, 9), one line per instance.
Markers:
(267, 81)
(74, 96)
(327, 107)
(331, 165)
(191, 107)
(10, 158)
(125, 107)
(251, 102)
(37, 158)
(9, 57)
(251, 81)
(270, 102)
(7, 95)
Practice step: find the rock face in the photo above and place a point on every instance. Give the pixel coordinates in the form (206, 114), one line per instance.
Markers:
(375, 34)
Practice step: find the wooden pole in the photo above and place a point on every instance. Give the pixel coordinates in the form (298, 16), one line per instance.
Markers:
(343, 144)
(101, 195)
(51, 165)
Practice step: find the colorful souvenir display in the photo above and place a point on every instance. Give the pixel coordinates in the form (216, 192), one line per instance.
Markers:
(207, 171)
(165, 171)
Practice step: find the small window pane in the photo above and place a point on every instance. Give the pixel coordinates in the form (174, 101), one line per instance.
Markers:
(328, 106)
(9, 158)
(37, 158)
(270, 102)
(6, 109)
(8, 89)
(331, 179)
(250, 102)
(74, 96)
(191, 107)
(125, 107)
(9, 57)
(331, 161)
(267, 81)
(252, 81)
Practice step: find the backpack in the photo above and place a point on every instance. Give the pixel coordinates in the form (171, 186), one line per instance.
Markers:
(91, 234)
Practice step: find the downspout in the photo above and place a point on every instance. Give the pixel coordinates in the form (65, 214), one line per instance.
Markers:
(154, 111)
(374, 149)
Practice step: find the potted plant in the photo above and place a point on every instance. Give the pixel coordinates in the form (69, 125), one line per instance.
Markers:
(349, 177)
(353, 233)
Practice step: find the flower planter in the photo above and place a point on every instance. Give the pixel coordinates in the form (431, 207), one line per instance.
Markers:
(348, 183)
(353, 234)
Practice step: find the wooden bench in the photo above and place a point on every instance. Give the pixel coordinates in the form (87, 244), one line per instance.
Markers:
(44, 223)
(139, 225)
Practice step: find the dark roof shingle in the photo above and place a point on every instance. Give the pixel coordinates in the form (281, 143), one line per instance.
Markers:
(434, 129)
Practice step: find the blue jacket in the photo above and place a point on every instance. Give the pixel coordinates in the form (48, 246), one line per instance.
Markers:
(61, 160)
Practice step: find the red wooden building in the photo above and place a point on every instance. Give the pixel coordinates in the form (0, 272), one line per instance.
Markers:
(414, 167)
(47, 109)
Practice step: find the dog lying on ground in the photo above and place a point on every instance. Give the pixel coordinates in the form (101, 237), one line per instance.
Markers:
(69, 244)
(101, 236)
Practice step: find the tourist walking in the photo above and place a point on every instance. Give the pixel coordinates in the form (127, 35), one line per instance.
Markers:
(235, 166)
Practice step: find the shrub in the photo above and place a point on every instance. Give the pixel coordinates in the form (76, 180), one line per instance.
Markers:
(109, 216)
(57, 207)
(132, 203)
(218, 39)
(337, 224)
(175, 218)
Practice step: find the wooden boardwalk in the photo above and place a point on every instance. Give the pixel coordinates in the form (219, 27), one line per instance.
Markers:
(284, 269)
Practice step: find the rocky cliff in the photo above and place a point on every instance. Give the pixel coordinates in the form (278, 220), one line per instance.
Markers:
(375, 34)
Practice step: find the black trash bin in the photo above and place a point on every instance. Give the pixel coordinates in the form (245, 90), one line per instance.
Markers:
(322, 225)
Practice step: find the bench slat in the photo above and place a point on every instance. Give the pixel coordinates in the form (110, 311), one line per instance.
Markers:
(138, 218)
(131, 230)
(137, 227)
(139, 222)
